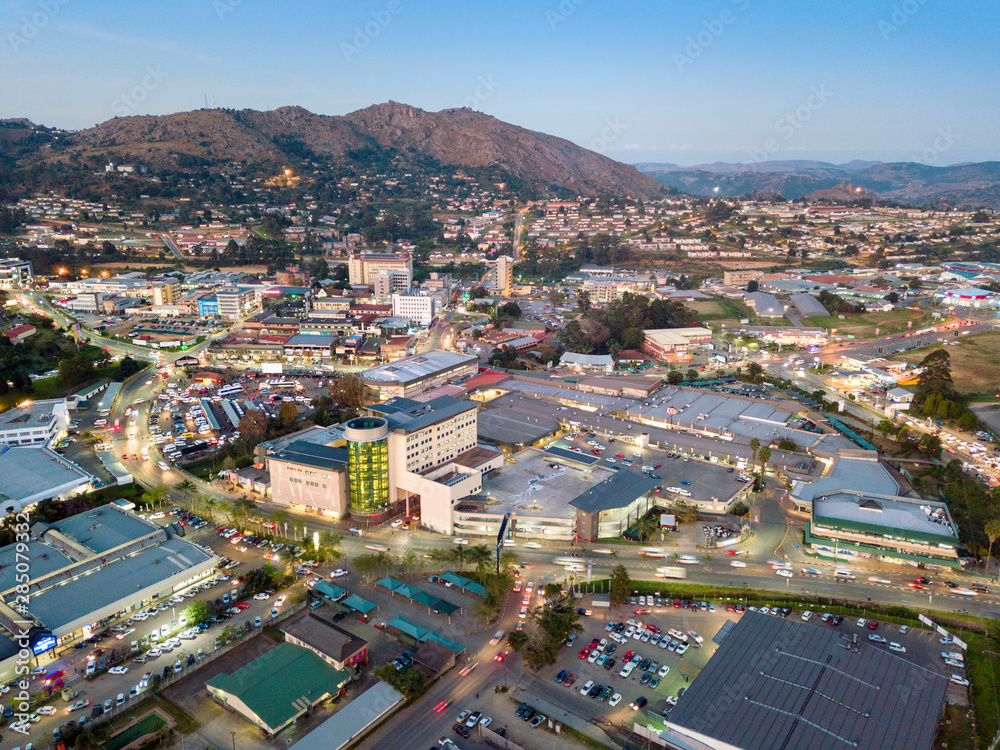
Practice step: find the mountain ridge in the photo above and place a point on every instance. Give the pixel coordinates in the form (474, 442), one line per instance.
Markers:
(453, 137)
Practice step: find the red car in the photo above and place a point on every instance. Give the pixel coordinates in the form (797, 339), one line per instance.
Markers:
(629, 654)
(873, 624)
(656, 466)
(585, 653)
(677, 603)
(500, 656)
(242, 605)
(569, 680)
(619, 455)
(596, 452)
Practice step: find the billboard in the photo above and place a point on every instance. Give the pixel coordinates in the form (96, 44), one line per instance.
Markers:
(271, 368)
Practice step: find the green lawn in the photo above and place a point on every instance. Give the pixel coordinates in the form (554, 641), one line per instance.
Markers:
(146, 725)
(864, 324)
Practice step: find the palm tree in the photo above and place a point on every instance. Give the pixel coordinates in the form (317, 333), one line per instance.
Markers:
(206, 502)
(457, 555)
(280, 520)
(185, 487)
(754, 447)
(480, 555)
(764, 456)
(992, 530)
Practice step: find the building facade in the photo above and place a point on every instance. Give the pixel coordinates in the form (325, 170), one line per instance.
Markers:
(417, 307)
(363, 267)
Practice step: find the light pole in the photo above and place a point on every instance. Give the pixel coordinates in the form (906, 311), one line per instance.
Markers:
(234, 739)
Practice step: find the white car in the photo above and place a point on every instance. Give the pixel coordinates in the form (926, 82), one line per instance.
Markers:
(957, 679)
(807, 615)
(279, 601)
(738, 564)
(46, 710)
(338, 573)
(615, 700)
(785, 573)
(485, 721)
(261, 596)
(118, 670)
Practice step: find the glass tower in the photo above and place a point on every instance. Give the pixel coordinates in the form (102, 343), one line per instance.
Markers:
(368, 465)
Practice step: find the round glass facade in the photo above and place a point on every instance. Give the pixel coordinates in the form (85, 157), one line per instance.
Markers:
(368, 465)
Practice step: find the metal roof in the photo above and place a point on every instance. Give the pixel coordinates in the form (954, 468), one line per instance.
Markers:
(408, 415)
(350, 721)
(418, 367)
(312, 454)
(32, 474)
(617, 491)
(775, 684)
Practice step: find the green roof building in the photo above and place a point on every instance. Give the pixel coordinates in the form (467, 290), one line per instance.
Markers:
(274, 690)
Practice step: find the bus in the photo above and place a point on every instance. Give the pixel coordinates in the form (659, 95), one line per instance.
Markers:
(230, 390)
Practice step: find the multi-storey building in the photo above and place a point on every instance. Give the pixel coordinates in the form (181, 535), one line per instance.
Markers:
(235, 303)
(15, 273)
(363, 267)
(417, 307)
(421, 372)
(389, 282)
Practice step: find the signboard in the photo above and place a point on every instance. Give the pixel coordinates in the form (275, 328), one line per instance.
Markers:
(271, 368)
(41, 641)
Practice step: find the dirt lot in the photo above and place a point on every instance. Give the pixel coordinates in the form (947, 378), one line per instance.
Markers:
(975, 364)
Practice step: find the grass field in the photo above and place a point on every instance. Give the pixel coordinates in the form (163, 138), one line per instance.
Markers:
(975, 364)
(147, 725)
(864, 324)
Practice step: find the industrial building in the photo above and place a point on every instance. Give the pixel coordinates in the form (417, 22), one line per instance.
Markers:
(79, 568)
(779, 683)
(34, 423)
(674, 343)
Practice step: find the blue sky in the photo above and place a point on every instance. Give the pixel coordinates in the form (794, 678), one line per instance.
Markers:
(681, 82)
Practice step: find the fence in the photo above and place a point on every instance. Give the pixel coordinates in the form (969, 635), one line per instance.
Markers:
(496, 740)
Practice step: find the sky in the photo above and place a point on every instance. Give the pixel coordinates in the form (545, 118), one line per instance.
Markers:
(668, 81)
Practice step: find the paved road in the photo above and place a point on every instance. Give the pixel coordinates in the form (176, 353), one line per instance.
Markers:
(171, 245)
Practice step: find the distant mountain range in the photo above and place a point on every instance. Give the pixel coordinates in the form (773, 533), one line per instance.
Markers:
(971, 185)
(216, 137)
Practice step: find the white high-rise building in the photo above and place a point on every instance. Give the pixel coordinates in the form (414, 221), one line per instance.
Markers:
(417, 307)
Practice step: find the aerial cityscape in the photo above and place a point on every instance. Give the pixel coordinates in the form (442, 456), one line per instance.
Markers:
(549, 375)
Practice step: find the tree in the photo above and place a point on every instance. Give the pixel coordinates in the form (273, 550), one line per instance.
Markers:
(259, 579)
(154, 496)
(891, 297)
(968, 422)
(992, 530)
(409, 681)
(253, 424)
(185, 487)
(885, 427)
(583, 302)
(481, 556)
(787, 444)
(517, 640)
(754, 447)
(752, 286)
(288, 413)
(763, 455)
(684, 511)
(691, 375)
(931, 445)
(755, 372)
(674, 377)
(621, 584)
(196, 612)
(935, 376)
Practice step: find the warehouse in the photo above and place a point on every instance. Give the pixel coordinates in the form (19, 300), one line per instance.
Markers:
(776, 683)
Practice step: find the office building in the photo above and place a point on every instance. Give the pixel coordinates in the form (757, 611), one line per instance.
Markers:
(87, 302)
(389, 282)
(740, 278)
(363, 267)
(34, 423)
(417, 307)
(208, 306)
(310, 477)
(234, 303)
(412, 375)
(15, 273)
(502, 276)
(164, 291)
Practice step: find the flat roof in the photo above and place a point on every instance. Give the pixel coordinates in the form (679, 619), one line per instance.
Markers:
(776, 683)
(103, 528)
(312, 454)
(512, 426)
(350, 721)
(31, 415)
(808, 305)
(922, 517)
(26, 473)
(409, 415)
(617, 491)
(58, 606)
(325, 636)
(108, 397)
(864, 475)
(418, 367)
(311, 339)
